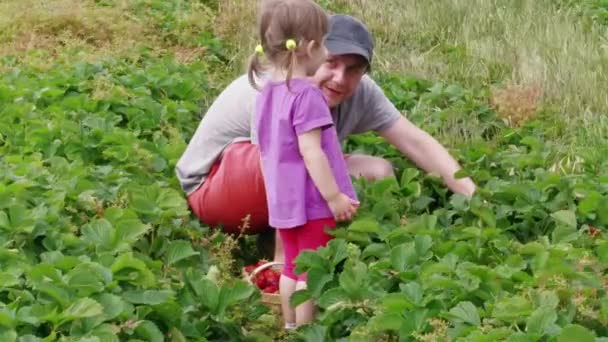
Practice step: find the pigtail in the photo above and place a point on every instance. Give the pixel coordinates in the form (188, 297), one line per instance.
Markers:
(291, 47)
(255, 67)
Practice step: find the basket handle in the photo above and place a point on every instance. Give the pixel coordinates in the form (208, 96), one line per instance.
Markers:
(261, 268)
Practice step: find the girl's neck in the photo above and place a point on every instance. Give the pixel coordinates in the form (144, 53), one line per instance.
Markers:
(280, 74)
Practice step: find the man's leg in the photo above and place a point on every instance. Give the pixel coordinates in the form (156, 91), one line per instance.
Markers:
(372, 168)
(233, 195)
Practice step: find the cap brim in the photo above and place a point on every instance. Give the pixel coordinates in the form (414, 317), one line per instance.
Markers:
(338, 47)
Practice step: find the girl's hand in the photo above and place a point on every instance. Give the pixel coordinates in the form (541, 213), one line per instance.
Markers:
(343, 207)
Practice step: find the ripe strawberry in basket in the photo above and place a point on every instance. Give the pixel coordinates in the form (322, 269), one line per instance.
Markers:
(249, 268)
(270, 289)
(261, 282)
(272, 277)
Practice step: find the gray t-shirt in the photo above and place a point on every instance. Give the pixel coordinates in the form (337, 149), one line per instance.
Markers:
(229, 119)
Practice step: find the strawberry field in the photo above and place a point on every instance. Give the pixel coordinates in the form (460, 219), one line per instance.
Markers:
(97, 242)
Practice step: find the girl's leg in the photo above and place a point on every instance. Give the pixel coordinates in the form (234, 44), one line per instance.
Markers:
(287, 282)
(311, 237)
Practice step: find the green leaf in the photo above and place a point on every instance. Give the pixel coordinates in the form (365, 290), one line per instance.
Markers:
(396, 303)
(113, 305)
(590, 203)
(60, 295)
(414, 322)
(423, 244)
(123, 269)
(332, 297)
(208, 292)
(129, 230)
(316, 280)
(541, 320)
(233, 294)
(82, 308)
(459, 202)
(466, 312)
(85, 279)
(521, 337)
(513, 309)
(387, 322)
(353, 279)
(575, 332)
(8, 280)
(7, 317)
(21, 219)
(403, 256)
(547, 299)
(179, 250)
(106, 333)
(30, 338)
(313, 333)
(365, 225)
(602, 251)
(4, 222)
(414, 292)
(25, 315)
(99, 233)
(8, 335)
(377, 250)
(563, 233)
(565, 217)
(149, 331)
(143, 204)
(148, 297)
(177, 336)
(299, 297)
(308, 259)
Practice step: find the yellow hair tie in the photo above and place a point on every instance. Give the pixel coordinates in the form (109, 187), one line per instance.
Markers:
(290, 44)
(259, 49)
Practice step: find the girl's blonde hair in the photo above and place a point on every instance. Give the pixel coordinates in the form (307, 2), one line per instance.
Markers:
(279, 21)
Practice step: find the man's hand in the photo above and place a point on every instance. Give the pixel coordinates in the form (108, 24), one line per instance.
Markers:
(428, 154)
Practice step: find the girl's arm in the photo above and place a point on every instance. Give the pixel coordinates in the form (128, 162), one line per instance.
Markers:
(317, 164)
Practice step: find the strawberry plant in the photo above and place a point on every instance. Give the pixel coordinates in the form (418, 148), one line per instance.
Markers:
(97, 240)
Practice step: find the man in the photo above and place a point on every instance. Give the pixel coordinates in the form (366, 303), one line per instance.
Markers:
(220, 171)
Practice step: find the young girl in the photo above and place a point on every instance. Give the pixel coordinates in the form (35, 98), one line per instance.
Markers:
(308, 187)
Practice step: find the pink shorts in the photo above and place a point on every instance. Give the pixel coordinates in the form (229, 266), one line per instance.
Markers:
(310, 236)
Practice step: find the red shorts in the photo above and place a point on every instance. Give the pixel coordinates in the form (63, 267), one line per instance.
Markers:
(233, 191)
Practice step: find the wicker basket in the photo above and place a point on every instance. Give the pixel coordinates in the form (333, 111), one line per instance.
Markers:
(272, 300)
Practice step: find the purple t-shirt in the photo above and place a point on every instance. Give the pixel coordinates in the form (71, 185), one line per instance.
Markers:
(281, 115)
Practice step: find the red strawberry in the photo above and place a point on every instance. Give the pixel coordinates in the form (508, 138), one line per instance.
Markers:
(593, 231)
(271, 289)
(249, 268)
(273, 282)
(261, 282)
(268, 273)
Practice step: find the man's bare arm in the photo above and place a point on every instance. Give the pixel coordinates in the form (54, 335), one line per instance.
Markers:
(427, 153)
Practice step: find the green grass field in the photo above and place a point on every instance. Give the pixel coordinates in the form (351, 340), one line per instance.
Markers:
(99, 98)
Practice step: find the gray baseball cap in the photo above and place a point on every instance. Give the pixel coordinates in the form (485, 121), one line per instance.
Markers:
(348, 35)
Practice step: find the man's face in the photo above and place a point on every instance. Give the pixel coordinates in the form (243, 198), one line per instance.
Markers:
(340, 76)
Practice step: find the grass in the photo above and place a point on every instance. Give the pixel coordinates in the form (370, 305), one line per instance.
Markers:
(525, 44)
(531, 59)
